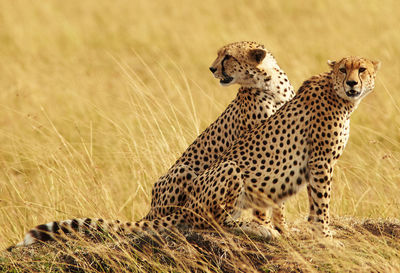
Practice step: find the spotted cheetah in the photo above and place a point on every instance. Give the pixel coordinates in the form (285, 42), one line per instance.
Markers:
(264, 89)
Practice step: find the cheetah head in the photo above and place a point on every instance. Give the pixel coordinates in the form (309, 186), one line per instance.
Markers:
(353, 77)
(243, 63)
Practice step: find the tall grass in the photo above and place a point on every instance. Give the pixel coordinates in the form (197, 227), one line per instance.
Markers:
(99, 98)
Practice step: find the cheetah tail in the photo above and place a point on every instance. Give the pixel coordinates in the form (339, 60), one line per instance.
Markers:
(53, 230)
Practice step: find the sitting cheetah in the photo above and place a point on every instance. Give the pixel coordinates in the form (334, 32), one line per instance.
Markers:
(264, 89)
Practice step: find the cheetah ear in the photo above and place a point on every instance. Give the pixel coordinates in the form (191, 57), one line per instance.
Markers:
(377, 65)
(331, 63)
(257, 55)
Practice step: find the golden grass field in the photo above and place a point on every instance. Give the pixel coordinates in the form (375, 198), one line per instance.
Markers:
(99, 98)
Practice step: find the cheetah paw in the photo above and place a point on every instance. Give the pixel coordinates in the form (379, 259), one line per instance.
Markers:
(257, 229)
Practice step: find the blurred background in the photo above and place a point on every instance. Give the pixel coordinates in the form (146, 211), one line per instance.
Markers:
(99, 98)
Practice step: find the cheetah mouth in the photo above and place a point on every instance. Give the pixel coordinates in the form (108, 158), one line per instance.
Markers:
(226, 80)
(352, 93)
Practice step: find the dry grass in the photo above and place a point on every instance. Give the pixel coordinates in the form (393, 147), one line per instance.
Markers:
(98, 98)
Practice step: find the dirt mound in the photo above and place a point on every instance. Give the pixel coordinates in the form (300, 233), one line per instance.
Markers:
(218, 252)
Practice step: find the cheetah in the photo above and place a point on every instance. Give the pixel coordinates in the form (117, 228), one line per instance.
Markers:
(264, 89)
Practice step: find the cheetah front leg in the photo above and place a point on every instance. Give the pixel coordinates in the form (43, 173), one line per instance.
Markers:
(319, 193)
(278, 218)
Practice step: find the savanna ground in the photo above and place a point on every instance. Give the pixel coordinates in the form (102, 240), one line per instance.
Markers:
(98, 99)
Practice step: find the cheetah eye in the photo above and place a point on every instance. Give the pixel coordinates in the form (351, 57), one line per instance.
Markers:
(361, 69)
(227, 57)
(343, 70)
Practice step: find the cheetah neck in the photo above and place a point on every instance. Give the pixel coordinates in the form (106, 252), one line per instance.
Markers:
(278, 90)
(278, 86)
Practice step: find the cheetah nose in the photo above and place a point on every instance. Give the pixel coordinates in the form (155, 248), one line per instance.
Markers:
(351, 83)
(212, 69)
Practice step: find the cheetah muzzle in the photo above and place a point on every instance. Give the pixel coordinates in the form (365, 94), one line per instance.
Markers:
(352, 93)
(227, 80)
